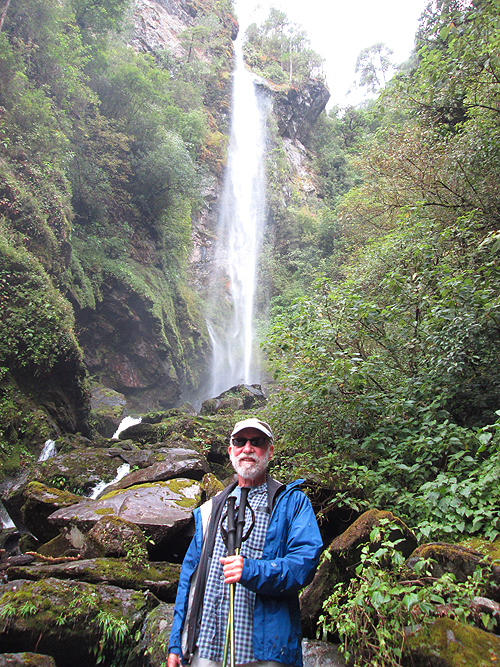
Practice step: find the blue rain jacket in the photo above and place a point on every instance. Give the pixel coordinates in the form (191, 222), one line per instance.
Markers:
(289, 559)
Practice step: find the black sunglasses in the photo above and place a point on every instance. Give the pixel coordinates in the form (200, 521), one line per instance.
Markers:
(255, 442)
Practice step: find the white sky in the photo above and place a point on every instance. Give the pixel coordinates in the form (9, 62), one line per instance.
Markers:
(338, 31)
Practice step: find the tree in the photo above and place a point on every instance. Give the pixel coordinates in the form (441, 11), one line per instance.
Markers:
(373, 64)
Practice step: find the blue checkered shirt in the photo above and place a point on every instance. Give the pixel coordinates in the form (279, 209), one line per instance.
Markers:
(216, 600)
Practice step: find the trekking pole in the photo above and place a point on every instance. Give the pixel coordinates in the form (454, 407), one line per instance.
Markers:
(229, 538)
(238, 540)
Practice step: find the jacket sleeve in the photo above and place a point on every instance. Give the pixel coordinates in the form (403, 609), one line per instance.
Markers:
(287, 574)
(189, 565)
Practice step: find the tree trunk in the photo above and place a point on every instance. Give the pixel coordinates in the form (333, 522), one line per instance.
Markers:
(4, 12)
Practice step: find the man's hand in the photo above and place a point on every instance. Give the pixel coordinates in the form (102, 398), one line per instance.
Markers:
(173, 660)
(233, 567)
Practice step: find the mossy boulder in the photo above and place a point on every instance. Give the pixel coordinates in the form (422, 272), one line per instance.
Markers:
(166, 464)
(26, 660)
(107, 409)
(448, 643)
(78, 471)
(238, 398)
(158, 577)
(160, 509)
(41, 501)
(343, 555)
(112, 536)
(152, 648)
(460, 561)
(74, 622)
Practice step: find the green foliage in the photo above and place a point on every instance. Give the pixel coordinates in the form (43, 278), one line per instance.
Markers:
(385, 598)
(383, 368)
(37, 321)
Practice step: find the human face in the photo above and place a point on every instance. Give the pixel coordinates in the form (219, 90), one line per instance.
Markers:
(249, 462)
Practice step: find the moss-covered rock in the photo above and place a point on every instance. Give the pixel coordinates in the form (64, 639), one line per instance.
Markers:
(76, 471)
(152, 648)
(41, 501)
(158, 577)
(241, 397)
(448, 643)
(161, 509)
(461, 562)
(26, 660)
(75, 622)
(165, 464)
(107, 409)
(112, 536)
(344, 554)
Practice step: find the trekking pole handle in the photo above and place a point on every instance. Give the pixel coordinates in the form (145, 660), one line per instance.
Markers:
(240, 522)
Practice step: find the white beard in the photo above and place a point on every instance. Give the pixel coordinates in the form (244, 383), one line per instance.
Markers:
(251, 469)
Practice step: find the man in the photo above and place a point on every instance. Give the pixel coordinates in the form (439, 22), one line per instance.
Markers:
(277, 559)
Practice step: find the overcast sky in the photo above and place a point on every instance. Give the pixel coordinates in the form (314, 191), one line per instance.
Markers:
(338, 30)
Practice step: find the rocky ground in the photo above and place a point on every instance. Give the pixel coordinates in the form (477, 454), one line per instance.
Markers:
(89, 571)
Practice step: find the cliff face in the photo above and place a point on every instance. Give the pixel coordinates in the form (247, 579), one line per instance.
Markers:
(296, 109)
(105, 256)
(146, 336)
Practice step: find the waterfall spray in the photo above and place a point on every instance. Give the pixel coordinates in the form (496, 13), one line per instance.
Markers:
(240, 231)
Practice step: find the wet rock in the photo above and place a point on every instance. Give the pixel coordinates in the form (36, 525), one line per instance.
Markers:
(176, 462)
(160, 509)
(297, 109)
(152, 648)
(459, 561)
(71, 620)
(453, 558)
(12, 490)
(107, 409)
(158, 577)
(13, 561)
(344, 555)
(112, 536)
(58, 547)
(211, 486)
(483, 606)
(26, 660)
(321, 654)
(240, 397)
(78, 472)
(448, 643)
(41, 501)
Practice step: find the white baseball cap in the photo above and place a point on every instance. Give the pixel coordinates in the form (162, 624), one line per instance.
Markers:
(252, 422)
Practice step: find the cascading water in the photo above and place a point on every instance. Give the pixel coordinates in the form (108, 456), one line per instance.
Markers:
(241, 222)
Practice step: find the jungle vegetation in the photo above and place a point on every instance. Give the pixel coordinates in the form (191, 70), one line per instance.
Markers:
(384, 342)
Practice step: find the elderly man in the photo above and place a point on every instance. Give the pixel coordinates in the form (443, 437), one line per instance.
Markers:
(277, 559)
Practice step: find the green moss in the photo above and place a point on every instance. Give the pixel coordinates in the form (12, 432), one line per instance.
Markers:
(41, 493)
(452, 644)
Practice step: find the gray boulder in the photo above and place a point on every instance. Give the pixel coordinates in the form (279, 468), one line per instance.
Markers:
(321, 654)
(165, 464)
(160, 509)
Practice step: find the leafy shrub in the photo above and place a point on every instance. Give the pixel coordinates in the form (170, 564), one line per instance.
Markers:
(372, 612)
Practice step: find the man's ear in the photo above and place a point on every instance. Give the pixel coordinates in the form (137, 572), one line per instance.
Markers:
(271, 450)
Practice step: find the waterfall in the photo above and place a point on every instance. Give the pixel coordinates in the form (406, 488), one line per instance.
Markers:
(121, 472)
(5, 520)
(240, 229)
(125, 423)
(49, 450)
